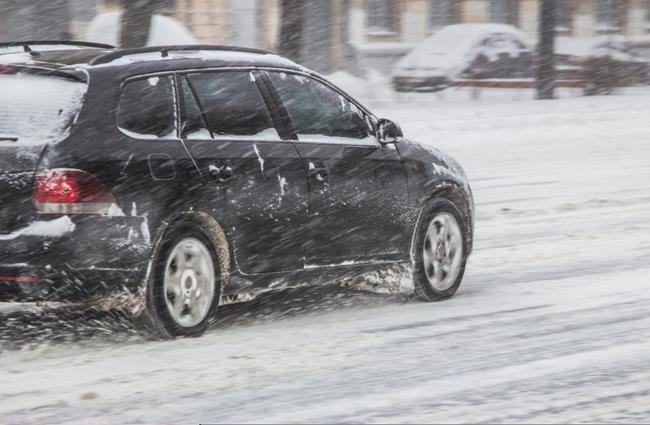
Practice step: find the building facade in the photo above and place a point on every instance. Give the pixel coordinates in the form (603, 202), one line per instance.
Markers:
(412, 20)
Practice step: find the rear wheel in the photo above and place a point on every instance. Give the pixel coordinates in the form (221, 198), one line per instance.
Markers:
(441, 253)
(184, 287)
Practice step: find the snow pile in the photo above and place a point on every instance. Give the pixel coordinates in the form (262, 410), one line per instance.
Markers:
(105, 28)
(221, 55)
(574, 46)
(595, 46)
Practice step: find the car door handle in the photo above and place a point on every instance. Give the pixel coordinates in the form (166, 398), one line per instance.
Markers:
(320, 173)
(222, 174)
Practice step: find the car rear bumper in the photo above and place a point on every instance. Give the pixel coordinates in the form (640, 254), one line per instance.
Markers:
(73, 259)
(423, 84)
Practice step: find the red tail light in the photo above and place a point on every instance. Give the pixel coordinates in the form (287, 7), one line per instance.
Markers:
(68, 191)
(7, 70)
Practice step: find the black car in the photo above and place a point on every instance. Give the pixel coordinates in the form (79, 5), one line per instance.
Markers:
(164, 180)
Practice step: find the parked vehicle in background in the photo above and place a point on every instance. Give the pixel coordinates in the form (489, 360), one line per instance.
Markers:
(177, 176)
(480, 51)
(638, 45)
(602, 62)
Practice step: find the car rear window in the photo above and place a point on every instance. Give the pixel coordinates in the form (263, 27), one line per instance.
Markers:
(37, 109)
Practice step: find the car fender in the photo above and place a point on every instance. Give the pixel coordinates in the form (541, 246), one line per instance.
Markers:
(133, 303)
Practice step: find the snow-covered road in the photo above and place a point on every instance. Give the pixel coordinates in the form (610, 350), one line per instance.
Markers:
(552, 323)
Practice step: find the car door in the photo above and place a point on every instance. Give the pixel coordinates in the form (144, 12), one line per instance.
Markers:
(357, 187)
(157, 178)
(258, 179)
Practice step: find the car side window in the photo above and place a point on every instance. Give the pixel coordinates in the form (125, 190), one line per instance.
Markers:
(146, 108)
(233, 106)
(193, 124)
(319, 113)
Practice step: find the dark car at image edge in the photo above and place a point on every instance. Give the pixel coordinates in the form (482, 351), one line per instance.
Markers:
(169, 178)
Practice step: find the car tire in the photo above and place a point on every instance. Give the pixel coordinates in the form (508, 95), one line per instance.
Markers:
(440, 251)
(184, 286)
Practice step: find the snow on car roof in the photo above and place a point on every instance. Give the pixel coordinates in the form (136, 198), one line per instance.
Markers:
(450, 46)
(615, 46)
(467, 32)
(83, 59)
(215, 55)
(459, 36)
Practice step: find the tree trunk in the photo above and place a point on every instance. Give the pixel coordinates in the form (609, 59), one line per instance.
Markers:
(545, 58)
(291, 28)
(136, 22)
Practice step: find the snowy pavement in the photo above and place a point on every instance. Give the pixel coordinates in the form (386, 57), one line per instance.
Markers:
(551, 324)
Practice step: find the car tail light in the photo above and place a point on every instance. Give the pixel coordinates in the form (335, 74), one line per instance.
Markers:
(7, 70)
(20, 279)
(68, 191)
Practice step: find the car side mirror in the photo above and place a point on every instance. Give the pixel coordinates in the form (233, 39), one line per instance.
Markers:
(389, 132)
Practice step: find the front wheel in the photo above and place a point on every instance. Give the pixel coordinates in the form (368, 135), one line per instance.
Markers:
(440, 252)
(184, 286)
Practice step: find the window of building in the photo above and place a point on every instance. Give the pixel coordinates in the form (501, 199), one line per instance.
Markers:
(503, 11)
(441, 13)
(382, 16)
(647, 12)
(146, 109)
(563, 16)
(609, 14)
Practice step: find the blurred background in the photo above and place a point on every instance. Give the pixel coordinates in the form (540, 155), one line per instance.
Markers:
(368, 35)
(551, 322)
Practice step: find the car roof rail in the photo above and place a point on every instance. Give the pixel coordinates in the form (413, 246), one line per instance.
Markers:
(164, 51)
(30, 46)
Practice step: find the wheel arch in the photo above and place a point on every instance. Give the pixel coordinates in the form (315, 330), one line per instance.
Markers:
(207, 223)
(457, 196)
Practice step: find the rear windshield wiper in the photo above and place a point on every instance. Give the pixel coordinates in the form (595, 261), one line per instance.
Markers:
(8, 138)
